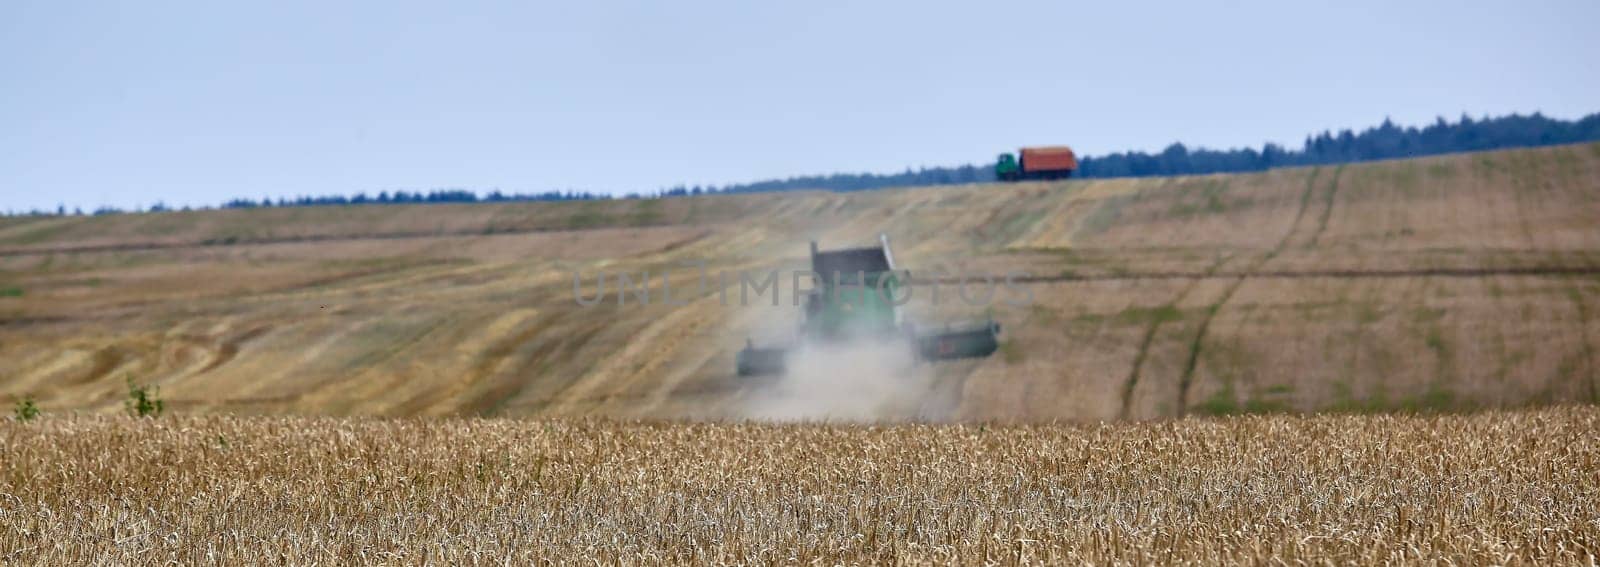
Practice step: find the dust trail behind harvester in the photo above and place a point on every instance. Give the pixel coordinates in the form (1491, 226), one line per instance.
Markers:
(866, 381)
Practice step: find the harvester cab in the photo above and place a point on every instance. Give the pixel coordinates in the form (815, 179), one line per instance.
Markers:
(854, 295)
(855, 298)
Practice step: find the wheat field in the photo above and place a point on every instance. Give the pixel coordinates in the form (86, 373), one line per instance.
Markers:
(1500, 487)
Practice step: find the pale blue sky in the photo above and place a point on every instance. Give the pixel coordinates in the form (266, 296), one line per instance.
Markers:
(125, 103)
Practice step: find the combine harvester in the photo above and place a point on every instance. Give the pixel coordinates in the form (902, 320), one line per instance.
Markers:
(854, 303)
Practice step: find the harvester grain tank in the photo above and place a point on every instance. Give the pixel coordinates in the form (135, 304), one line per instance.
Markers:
(1052, 162)
(855, 301)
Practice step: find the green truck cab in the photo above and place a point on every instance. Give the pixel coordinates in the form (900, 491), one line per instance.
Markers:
(1006, 168)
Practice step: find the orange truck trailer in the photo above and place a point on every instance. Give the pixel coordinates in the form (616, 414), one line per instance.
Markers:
(1049, 162)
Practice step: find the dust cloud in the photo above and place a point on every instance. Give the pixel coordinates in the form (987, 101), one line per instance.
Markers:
(854, 382)
(864, 379)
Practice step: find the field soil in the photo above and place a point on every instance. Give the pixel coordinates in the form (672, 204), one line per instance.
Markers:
(1446, 283)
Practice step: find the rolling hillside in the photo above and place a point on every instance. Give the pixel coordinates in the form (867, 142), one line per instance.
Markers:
(1459, 281)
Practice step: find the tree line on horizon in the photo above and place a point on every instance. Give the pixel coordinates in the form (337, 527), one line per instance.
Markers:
(415, 197)
(1385, 141)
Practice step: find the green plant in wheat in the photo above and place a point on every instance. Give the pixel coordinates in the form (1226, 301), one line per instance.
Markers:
(26, 409)
(143, 400)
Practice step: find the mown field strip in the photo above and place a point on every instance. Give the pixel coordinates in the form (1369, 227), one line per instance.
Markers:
(1288, 274)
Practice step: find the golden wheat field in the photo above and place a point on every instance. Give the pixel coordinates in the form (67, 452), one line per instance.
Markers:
(1501, 487)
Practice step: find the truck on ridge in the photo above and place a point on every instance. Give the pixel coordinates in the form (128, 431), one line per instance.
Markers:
(1049, 162)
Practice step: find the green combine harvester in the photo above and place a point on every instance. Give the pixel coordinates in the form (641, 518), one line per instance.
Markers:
(847, 308)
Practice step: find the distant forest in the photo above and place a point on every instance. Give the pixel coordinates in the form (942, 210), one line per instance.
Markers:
(1385, 141)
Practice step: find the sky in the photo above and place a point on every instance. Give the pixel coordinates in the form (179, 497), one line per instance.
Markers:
(193, 103)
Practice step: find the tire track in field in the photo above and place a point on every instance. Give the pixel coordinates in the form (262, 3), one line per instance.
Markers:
(1132, 381)
(8, 320)
(1327, 209)
(1197, 346)
(1529, 271)
(1575, 290)
(1131, 384)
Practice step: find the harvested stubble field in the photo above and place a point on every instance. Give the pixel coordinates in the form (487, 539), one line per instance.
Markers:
(1445, 283)
(1503, 487)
